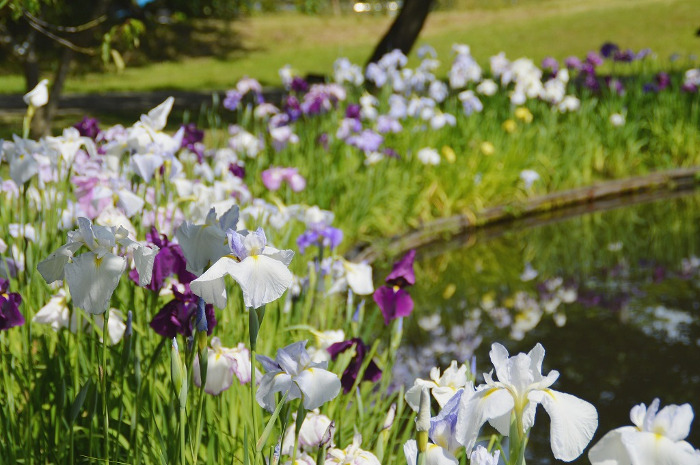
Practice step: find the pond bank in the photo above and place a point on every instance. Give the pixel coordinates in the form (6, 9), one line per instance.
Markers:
(443, 228)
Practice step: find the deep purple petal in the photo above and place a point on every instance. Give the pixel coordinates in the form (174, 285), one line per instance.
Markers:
(338, 347)
(393, 302)
(402, 274)
(10, 315)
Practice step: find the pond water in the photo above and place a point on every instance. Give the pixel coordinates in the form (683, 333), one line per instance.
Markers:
(612, 295)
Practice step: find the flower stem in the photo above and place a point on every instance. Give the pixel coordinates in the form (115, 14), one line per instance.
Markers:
(103, 376)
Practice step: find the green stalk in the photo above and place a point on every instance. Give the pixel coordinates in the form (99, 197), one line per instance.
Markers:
(183, 421)
(103, 375)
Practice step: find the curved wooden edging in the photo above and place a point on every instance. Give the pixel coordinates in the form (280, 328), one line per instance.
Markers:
(675, 179)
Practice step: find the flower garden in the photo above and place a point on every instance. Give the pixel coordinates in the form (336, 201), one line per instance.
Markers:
(189, 296)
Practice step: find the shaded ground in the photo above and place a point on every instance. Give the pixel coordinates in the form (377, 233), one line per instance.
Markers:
(121, 103)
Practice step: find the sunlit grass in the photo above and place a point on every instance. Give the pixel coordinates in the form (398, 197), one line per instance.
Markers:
(312, 43)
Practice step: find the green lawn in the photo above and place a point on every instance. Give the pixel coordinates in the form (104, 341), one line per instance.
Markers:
(311, 43)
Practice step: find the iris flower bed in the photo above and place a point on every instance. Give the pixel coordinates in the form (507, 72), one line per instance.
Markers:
(164, 300)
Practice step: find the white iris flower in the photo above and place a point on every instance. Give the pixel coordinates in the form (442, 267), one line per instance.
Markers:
(293, 372)
(520, 387)
(93, 276)
(656, 438)
(259, 269)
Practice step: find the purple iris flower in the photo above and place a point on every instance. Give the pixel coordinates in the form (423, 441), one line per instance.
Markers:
(299, 85)
(367, 140)
(322, 140)
(444, 424)
(372, 372)
(615, 85)
(8, 267)
(625, 56)
(9, 307)
(594, 59)
(663, 80)
(178, 315)
(323, 236)
(237, 170)
(608, 49)
(353, 111)
(192, 140)
(643, 53)
(393, 300)
(232, 100)
(572, 62)
(689, 87)
(292, 107)
(386, 123)
(88, 127)
(391, 153)
(168, 261)
(551, 64)
(273, 177)
(402, 274)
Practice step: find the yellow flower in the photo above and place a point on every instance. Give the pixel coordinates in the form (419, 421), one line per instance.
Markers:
(509, 126)
(523, 114)
(487, 148)
(449, 154)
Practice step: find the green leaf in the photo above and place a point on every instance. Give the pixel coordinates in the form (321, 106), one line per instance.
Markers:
(77, 404)
(270, 424)
(118, 60)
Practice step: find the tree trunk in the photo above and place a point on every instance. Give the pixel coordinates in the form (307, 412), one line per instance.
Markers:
(404, 30)
(41, 124)
(31, 62)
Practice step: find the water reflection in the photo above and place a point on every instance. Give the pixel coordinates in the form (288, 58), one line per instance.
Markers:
(613, 296)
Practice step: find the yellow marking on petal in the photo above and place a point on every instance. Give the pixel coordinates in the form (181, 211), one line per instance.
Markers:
(5, 296)
(98, 261)
(489, 392)
(396, 289)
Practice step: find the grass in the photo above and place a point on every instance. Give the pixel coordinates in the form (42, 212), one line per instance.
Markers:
(312, 43)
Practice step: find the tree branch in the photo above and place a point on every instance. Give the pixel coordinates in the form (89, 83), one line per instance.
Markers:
(66, 43)
(69, 29)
